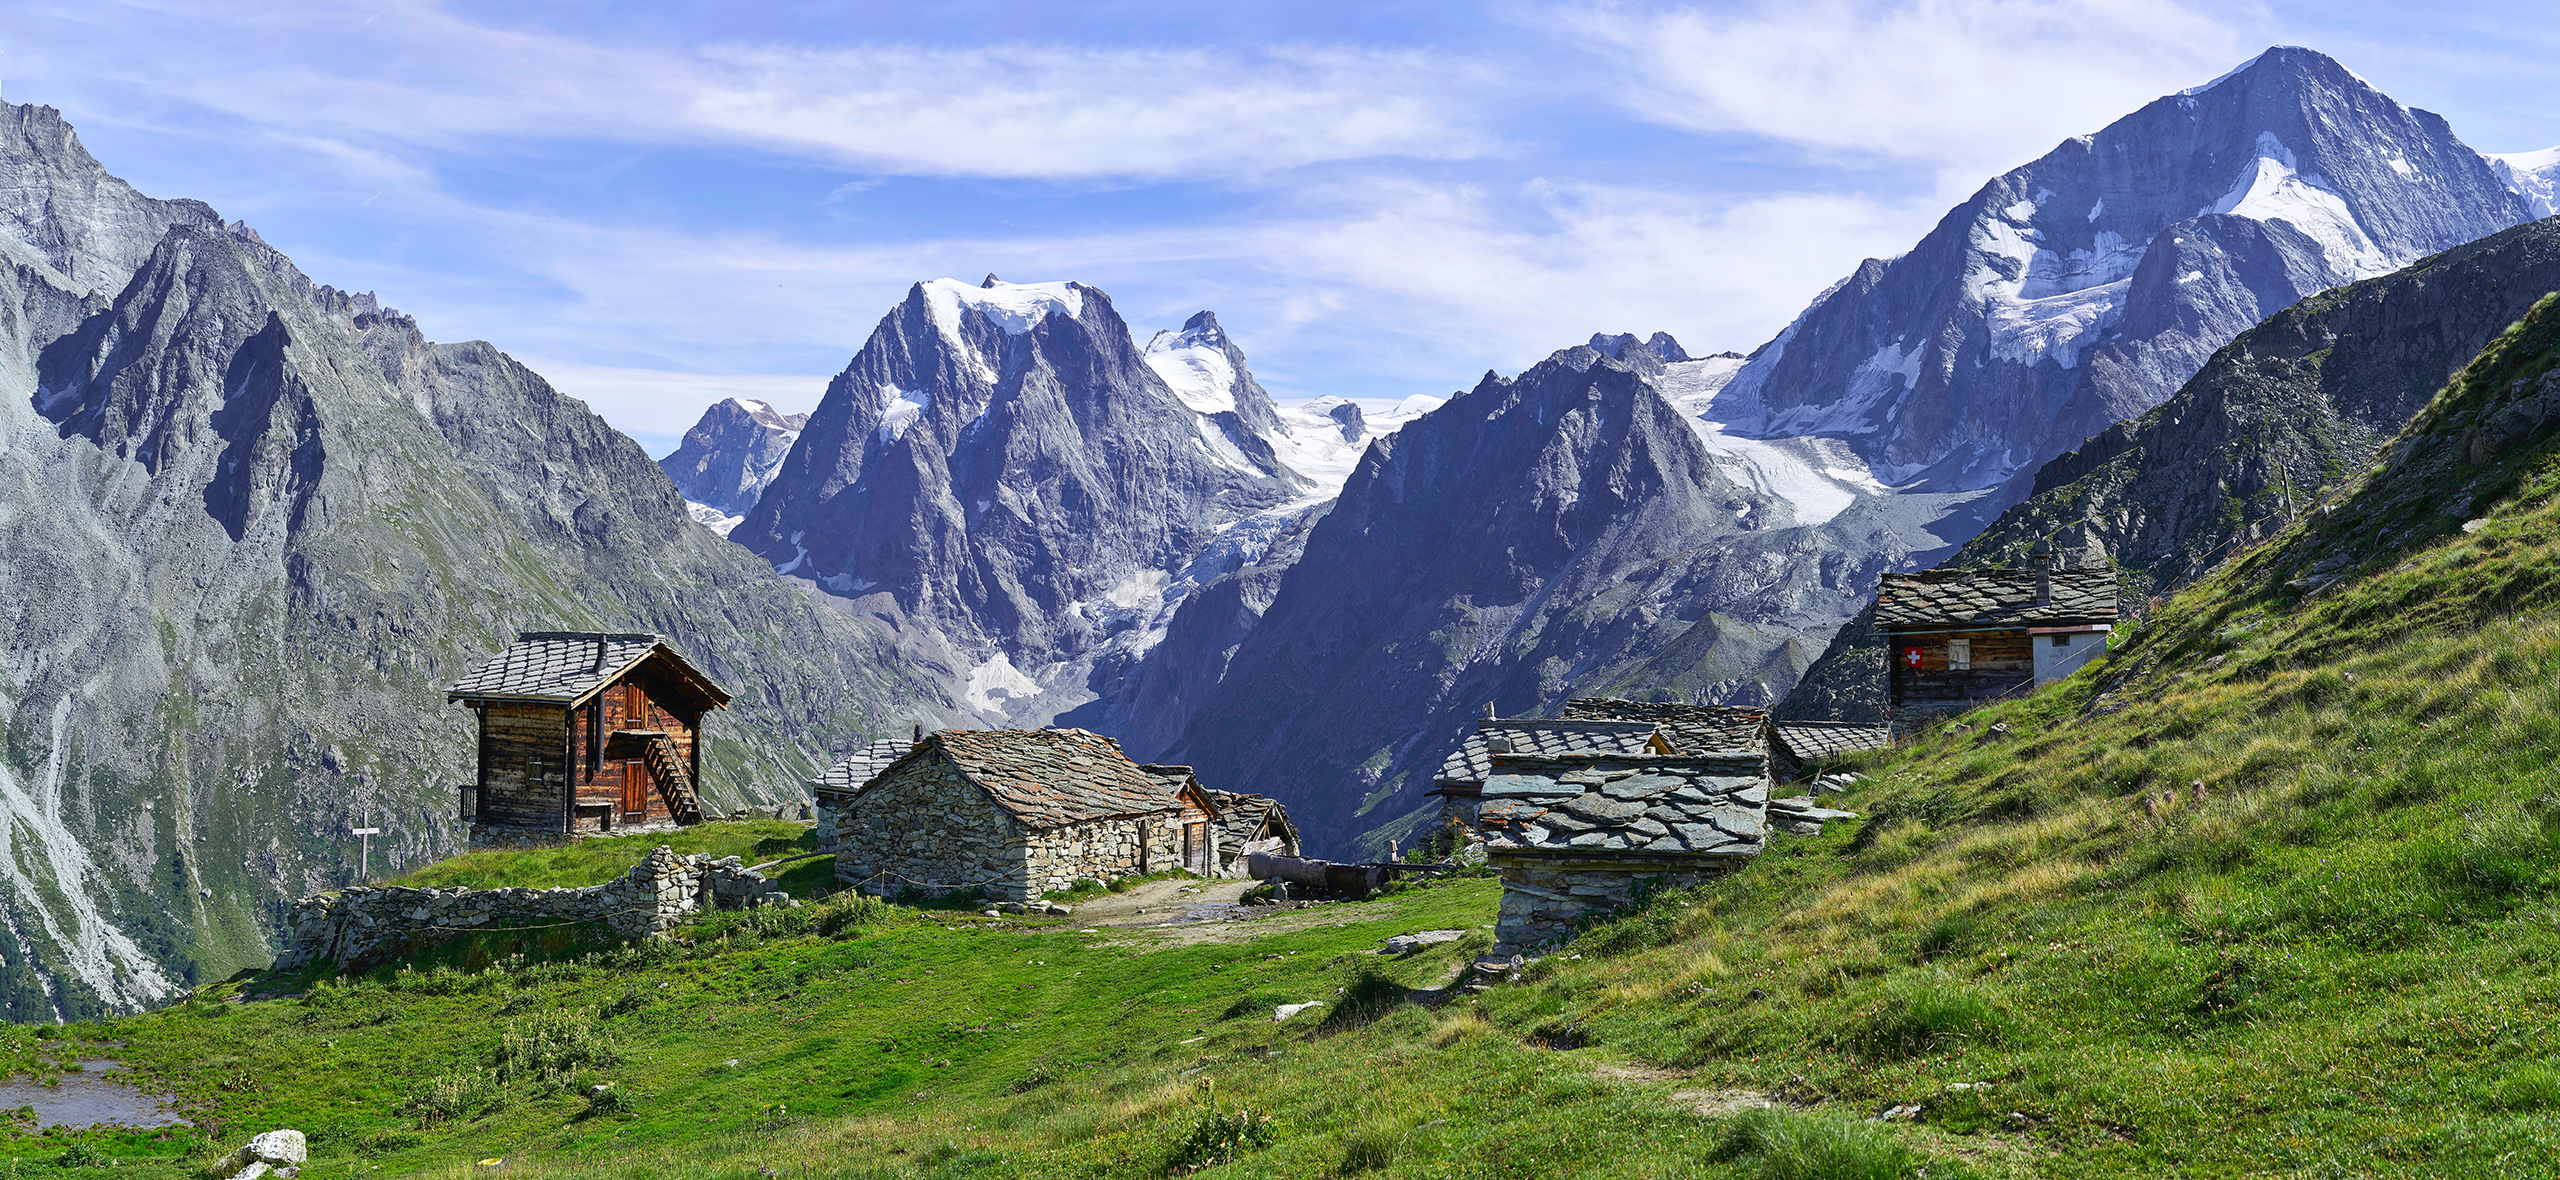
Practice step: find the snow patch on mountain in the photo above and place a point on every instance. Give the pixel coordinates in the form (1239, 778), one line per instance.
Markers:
(899, 409)
(712, 518)
(2535, 176)
(1194, 364)
(1818, 477)
(2271, 189)
(1013, 308)
(997, 682)
(1322, 438)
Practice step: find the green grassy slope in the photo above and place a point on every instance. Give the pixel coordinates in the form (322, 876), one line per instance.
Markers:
(2271, 892)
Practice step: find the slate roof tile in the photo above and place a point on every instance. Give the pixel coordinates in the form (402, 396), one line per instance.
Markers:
(565, 666)
(1696, 803)
(1692, 729)
(1974, 597)
(849, 775)
(1810, 741)
(1052, 777)
(1473, 759)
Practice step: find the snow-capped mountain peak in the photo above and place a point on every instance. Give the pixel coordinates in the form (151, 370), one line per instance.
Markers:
(1194, 363)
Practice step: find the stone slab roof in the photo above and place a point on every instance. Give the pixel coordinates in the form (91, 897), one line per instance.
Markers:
(848, 776)
(1473, 759)
(1693, 729)
(1052, 777)
(1241, 815)
(1618, 804)
(566, 666)
(1808, 741)
(1956, 598)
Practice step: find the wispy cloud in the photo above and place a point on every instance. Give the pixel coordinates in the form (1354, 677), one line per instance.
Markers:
(1972, 87)
(425, 76)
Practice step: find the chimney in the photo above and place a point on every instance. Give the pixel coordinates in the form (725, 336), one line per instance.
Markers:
(2042, 556)
(1489, 714)
(916, 739)
(599, 653)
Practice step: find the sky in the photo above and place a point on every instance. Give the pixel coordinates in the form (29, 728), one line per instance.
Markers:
(661, 205)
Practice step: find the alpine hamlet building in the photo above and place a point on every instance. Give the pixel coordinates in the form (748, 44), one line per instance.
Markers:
(1592, 725)
(1246, 824)
(1959, 638)
(835, 789)
(584, 733)
(1018, 813)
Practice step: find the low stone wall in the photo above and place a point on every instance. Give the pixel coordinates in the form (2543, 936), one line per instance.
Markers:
(1545, 897)
(358, 927)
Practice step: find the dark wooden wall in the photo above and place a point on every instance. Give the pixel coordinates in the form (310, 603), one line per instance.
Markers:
(523, 758)
(2003, 662)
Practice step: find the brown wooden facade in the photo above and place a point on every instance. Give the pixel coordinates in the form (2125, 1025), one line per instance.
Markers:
(1958, 638)
(574, 751)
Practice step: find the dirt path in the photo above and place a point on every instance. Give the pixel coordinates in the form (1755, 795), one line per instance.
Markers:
(1188, 913)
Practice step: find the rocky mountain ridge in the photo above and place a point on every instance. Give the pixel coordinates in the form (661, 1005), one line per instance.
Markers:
(728, 457)
(250, 527)
(2274, 424)
(2085, 287)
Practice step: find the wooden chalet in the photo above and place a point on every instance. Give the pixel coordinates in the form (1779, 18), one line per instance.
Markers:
(1959, 638)
(584, 733)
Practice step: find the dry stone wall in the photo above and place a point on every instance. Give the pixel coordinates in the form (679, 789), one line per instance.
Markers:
(358, 927)
(1545, 898)
(1103, 849)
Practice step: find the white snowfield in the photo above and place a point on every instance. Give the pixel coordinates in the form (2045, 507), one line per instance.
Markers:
(2272, 189)
(1012, 307)
(1819, 478)
(2534, 175)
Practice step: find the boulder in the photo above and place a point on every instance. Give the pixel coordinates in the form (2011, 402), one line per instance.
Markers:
(280, 1149)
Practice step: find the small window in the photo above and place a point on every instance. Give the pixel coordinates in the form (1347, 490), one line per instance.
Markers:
(2062, 641)
(1960, 654)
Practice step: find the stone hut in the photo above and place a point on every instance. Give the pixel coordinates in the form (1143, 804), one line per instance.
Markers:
(1958, 638)
(1800, 744)
(584, 733)
(1017, 813)
(1460, 781)
(835, 788)
(1247, 824)
(1582, 834)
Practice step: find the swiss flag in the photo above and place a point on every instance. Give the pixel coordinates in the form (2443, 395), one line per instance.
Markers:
(1910, 657)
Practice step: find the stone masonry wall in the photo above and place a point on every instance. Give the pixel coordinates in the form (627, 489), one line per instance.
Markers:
(358, 927)
(1544, 897)
(1104, 849)
(926, 828)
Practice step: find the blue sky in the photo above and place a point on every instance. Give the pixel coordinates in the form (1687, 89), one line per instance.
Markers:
(660, 205)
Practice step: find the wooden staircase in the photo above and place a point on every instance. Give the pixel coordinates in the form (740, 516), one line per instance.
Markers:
(667, 770)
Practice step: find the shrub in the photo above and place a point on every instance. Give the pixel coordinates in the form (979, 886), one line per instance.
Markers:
(1923, 1012)
(850, 910)
(82, 1155)
(1221, 1137)
(546, 1051)
(1783, 1145)
(455, 1097)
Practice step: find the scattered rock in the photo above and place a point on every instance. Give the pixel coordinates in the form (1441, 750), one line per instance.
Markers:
(1055, 910)
(1285, 1011)
(1903, 1113)
(1406, 944)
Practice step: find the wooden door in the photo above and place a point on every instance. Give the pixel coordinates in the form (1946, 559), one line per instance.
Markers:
(635, 788)
(635, 705)
(1195, 847)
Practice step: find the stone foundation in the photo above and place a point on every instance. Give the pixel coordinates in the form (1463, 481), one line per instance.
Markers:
(359, 927)
(1545, 898)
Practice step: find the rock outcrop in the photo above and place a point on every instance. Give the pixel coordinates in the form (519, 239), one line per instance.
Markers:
(250, 526)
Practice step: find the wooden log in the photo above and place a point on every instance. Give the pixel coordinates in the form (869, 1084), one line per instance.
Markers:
(1340, 880)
